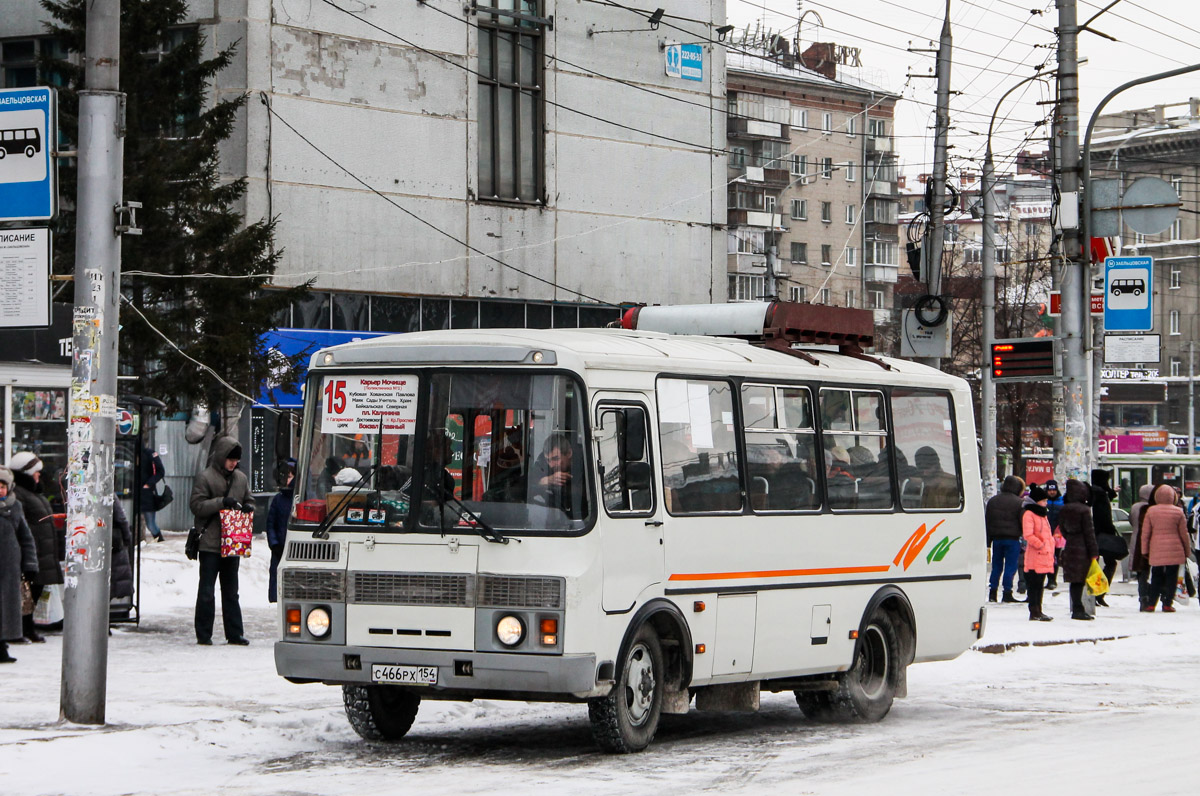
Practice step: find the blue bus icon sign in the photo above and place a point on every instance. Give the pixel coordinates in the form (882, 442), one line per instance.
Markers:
(1129, 294)
(28, 138)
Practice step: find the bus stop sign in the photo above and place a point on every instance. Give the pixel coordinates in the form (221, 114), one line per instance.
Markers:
(1129, 294)
(28, 137)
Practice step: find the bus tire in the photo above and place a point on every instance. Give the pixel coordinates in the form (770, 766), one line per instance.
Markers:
(380, 712)
(626, 719)
(30, 151)
(866, 691)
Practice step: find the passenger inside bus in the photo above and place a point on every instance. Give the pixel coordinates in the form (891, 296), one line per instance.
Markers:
(554, 479)
(940, 489)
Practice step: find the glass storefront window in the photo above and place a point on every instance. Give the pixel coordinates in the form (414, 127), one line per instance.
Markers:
(39, 423)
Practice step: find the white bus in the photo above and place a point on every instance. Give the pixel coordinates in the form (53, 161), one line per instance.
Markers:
(630, 519)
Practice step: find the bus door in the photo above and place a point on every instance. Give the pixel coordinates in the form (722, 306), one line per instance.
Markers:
(630, 526)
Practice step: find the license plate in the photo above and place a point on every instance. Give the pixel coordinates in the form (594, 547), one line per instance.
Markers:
(404, 675)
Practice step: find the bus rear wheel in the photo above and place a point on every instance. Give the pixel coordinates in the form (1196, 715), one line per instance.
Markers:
(626, 719)
(380, 712)
(866, 691)
(30, 151)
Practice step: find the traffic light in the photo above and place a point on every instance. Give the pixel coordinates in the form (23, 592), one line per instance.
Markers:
(1029, 359)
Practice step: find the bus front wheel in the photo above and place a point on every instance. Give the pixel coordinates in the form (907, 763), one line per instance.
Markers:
(866, 691)
(626, 719)
(30, 151)
(380, 712)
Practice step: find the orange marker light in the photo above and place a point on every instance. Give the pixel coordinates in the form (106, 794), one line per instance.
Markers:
(293, 616)
(975, 626)
(698, 606)
(549, 626)
(700, 649)
(293, 630)
(853, 634)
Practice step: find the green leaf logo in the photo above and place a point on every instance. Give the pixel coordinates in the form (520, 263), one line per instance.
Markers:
(940, 549)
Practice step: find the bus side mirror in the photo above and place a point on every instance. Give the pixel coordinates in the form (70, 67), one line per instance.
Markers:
(637, 475)
(634, 436)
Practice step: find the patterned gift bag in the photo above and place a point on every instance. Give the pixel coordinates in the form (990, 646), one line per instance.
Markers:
(237, 528)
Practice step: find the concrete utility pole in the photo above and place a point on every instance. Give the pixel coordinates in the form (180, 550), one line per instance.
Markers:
(931, 247)
(92, 431)
(772, 261)
(1191, 398)
(1076, 289)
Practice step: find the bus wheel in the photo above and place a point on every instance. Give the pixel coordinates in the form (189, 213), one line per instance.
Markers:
(626, 719)
(866, 691)
(30, 152)
(380, 712)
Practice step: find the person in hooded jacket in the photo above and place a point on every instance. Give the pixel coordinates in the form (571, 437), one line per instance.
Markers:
(221, 486)
(1002, 519)
(1166, 544)
(1054, 504)
(18, 558)
(51, 545)
(1102, 522)
(121, 575)
(1039, 551)
(277, 517)
(1138, 564)
(1075, 525)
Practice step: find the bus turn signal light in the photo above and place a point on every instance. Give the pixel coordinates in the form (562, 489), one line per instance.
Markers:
(698, 606)
(292, 615)
(700, 649)
(549, 625)
(853, 634)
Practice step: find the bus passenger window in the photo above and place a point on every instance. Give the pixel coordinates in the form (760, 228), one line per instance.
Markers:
(698, 450)
(927, 468)
(858, 470)
(626, 484)
(781, 462)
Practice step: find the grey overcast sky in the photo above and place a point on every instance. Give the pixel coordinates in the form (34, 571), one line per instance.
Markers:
(996, 44)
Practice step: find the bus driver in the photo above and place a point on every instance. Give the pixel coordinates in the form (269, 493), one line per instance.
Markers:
(553, 476)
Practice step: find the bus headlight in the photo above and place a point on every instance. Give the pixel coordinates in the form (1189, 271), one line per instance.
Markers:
(318, 622)
(510, 630)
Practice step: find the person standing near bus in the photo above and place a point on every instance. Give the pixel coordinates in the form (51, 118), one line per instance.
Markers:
(1054, 504)
(1102, 522)
(277, 518)
(1039, 551)
(1166, 544)
(1075, 524)
(1002, 519)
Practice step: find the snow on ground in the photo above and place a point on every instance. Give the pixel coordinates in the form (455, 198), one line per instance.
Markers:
(184, 719)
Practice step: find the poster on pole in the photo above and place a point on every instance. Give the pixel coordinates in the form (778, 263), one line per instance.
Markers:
(24, 278)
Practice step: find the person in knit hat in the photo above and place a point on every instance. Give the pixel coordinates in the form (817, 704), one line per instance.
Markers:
(1039, 550)
(51, 545)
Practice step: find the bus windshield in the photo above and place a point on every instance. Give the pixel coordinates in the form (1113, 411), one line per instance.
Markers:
(503, 449)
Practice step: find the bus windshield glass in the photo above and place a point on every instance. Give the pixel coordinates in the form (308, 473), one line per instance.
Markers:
(507, 448)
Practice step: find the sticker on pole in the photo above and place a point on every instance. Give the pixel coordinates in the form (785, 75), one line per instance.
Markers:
(1128, 294)
(355, 404)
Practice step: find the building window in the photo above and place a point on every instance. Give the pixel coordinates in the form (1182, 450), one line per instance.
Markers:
(737, 157)
(800, 168)
(511, 110)
(1174, 320)
(1175, 278)
(769, 201)
(826, 256)
(800, 118)
(827, 167)
(798, 294)
(851, 256)
(851, 127)
(877, 127)
(850, 171)
(824, 296)
(851, 298)
(827, 212)
(882, 252)
(799, 252)
(746, 287)
(19, 67)
(760, 106)
(850, 213)
(1177, 229)
(827, 122)
(875, 299)
(1176, 366)
(800, 209)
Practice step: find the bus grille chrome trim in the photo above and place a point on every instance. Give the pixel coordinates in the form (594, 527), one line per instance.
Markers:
(314, 551)
(520, 591)
(413, 588)
(314, 584)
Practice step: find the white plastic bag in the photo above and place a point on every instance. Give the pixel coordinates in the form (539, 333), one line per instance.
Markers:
(49, 608)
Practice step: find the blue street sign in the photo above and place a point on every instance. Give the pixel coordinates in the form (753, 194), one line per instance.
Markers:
(28, 137)
(685, 61)
(1128, 294)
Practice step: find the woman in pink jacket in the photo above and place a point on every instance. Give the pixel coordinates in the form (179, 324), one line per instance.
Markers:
(1165, 543)
(1039, 551)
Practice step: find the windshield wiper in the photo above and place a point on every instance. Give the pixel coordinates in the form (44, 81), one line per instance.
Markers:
(466, 516)
(322, 531)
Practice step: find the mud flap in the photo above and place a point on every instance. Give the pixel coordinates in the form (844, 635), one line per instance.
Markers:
(733, 696)
(676, 702)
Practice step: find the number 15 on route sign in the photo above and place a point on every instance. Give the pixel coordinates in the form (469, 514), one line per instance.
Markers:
(1129, 294)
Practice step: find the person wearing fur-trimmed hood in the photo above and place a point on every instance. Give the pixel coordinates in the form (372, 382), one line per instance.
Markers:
(18, 558)
(51, 545)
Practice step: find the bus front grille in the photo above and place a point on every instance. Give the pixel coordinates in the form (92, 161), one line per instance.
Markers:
(517, 591)
(313, 551)
(413, 588)
(314, 584)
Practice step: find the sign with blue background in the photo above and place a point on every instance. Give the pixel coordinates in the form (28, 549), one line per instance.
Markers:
(1129, 294)
(685, 61)
(28, 136)
(290, 342)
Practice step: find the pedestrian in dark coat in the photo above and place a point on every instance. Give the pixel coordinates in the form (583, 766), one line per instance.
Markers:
(18, 558)
(1102, 522)
(1138, 564)
(1002, 519)
(1075, 524)
(51, 545)
(121, 574)
(152, 472)
(1054, 504)
(221, 486)
(1166, 545)
(277, 518)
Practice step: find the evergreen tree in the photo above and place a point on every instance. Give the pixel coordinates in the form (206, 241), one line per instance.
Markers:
(190, 221)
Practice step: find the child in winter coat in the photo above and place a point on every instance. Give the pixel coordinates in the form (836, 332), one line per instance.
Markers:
(1039, 551)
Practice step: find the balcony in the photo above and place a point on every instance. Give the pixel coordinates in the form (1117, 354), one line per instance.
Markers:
(881, 273)
(882, 188)
(756, 130)
(746, 263)
(772, 179)
(756, 218)
(882, 144)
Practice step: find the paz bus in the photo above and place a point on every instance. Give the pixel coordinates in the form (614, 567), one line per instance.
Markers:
(712, 502)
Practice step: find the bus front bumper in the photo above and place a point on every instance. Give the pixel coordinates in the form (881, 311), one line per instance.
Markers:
(459, 672)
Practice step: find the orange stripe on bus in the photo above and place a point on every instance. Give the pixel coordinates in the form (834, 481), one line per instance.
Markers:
(915, 549)
(911, 541)
(778, 573)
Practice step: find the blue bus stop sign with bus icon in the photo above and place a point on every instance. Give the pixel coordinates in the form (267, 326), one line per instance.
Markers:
(28, 137)
(1129, 294)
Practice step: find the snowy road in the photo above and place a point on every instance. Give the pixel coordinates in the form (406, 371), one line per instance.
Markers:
(189, 720)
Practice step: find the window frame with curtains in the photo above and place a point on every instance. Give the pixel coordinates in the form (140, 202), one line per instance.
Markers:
(827, 212)
(799, 251)
(826, 254)
(523, 32)
(800, 209)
